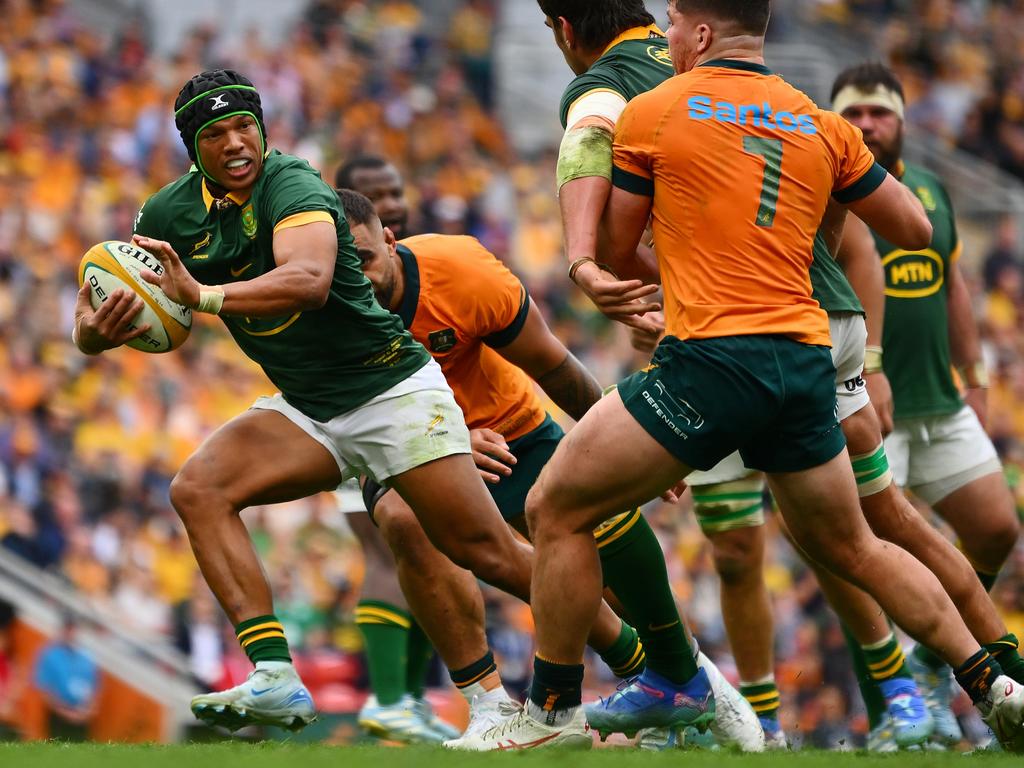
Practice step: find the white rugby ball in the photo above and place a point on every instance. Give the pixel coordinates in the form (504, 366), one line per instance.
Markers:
(113, 264)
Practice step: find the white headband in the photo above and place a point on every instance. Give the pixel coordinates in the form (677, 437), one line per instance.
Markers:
(880, 96)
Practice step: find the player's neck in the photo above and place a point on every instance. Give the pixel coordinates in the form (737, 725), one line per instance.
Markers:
(749, 49)
(398, 294)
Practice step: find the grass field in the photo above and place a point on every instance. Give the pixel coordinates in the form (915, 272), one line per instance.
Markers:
(274, 755)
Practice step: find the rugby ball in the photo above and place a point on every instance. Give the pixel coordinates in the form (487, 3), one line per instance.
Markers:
(113, 264)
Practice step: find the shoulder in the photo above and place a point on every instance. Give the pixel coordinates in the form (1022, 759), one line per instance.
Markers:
(279, 166)
(589, 82)
(451, 252)
(160, 207)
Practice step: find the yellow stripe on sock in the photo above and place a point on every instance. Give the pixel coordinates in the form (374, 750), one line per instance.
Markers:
(762, 708)
(478, 678)
(603, 541)
(896, 655)
(366, 612)
(883, 674)
(272, 633)
(762, 697)
(259, 627)
(638, 656)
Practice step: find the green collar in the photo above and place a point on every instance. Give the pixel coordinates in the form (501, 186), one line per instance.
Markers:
(746, 66)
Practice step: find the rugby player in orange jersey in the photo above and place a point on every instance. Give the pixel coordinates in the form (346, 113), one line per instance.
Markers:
(476, 319)
(738, 169)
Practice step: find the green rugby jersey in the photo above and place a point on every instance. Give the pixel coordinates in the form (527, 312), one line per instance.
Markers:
(917, 357)
(634, 62)
(829, 285)
(637, 61)
(326, 361)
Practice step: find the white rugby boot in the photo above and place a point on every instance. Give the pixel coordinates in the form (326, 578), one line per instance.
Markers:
(516, 730)
(1003, 712)
(485, 711)
(426, 713)
(396, 722)
(735, 724)
(273, 694)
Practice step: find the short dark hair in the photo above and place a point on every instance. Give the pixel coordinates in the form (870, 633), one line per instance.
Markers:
(598, 22)
(358, 208)
(344, 178)
(867, 77)
(750, 16)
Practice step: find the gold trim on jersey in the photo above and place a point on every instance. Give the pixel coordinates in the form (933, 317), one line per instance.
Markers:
(209, 199)
(273, 331)
(302, 219)
(635, 33)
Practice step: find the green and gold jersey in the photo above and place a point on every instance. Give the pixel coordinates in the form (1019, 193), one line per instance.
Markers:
(917, 357)
(829, 285)
(326, 361)
(634, 62)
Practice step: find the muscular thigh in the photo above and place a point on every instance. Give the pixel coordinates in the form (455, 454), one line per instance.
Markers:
(260, 457)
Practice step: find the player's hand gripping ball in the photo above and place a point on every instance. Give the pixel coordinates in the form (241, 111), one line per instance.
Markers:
(113, 264)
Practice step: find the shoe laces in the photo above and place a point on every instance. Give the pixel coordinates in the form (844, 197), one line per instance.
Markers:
(513, 714)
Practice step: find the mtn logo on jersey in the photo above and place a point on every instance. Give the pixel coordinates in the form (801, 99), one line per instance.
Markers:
(757, 115)
(913, 274)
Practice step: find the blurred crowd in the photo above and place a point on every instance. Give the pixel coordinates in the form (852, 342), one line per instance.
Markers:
(88, 445)
(962, 62)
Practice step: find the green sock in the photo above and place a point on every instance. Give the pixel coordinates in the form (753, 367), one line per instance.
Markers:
(885, 659)
(420, 654)
(1004, 650)
(874, 702)
(763, 698)
(385, 630)
(988, 580)
(634, 569)
(262, 638)
(626, 656)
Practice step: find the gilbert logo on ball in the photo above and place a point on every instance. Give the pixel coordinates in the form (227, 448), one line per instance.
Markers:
(113, 264)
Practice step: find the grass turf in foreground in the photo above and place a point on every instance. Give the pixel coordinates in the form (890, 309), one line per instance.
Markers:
(272, 755)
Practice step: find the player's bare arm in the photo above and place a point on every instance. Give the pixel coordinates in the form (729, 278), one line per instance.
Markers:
(562, 377)
(964, 346)
(895, 213)
(305, 259)
(858, 257)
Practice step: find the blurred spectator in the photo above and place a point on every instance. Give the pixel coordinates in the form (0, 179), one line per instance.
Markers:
(68, 678)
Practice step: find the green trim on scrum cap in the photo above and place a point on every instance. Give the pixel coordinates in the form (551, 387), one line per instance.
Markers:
(194, 99)
(208, 123)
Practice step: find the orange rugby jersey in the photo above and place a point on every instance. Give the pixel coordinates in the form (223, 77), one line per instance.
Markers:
(741, 166)
(461, 303)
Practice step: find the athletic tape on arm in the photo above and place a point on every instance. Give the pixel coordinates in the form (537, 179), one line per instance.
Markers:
(585, 152)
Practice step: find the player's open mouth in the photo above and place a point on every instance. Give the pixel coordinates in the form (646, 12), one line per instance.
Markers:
(239, 168)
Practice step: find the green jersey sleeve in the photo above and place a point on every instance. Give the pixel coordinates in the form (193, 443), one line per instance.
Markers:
(584, 84)
(297, 188)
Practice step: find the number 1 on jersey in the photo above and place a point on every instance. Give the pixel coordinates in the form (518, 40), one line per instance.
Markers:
(771, 151)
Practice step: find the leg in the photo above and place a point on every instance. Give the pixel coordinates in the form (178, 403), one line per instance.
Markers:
(983, 515)
(215, 484)
(821, 509)
(219, 481)
(460, 519)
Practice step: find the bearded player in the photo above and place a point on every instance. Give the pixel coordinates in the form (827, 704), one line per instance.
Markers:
(265, 245)
(938, 448)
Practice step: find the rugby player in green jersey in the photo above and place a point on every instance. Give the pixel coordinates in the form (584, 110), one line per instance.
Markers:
(256, 237)
(938, 448)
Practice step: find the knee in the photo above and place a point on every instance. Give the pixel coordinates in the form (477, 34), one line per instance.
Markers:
(190, 496)
(991, 542)
(401, 530)
(738, 556)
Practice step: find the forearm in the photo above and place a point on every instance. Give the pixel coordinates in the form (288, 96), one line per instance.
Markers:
(964, 344)
(284, 290)
(571, 387)
(582, 202)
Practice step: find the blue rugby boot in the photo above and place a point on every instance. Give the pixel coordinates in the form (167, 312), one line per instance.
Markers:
(652, 701)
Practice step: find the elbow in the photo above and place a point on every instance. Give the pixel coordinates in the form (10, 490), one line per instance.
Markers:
(916, 235)
(315, 293)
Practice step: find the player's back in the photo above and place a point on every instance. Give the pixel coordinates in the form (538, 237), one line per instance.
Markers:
(741, 166)
(462, 304)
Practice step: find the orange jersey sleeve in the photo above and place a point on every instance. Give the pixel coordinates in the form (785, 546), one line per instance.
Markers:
(469, 304)
(856, 171)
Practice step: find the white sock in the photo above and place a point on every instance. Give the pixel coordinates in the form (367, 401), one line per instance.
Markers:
(553, 718)
(477, 691)
(273, 666)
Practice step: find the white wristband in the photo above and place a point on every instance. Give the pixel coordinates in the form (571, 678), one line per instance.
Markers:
(211, 299)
